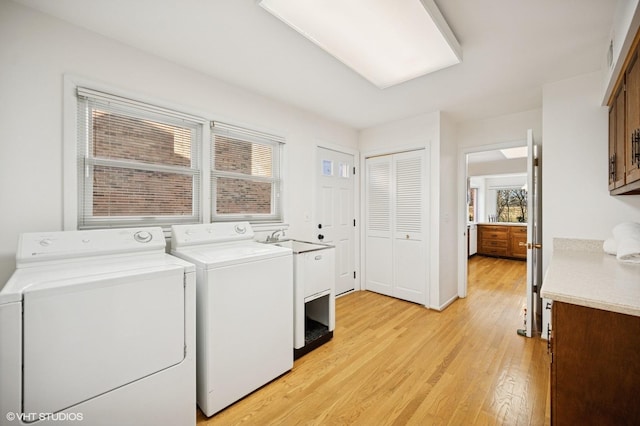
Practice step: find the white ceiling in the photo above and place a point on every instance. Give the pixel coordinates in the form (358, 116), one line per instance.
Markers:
(510, 49)
(485, 156)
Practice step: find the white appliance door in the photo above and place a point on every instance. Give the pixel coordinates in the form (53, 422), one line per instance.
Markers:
(88, 336)
(319, 273)
(249, 328)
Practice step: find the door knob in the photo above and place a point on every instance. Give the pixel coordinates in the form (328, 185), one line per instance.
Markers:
(320, 237)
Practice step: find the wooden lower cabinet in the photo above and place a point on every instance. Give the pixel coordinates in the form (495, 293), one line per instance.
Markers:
(595, 367)
(502, 240)
(518, 240)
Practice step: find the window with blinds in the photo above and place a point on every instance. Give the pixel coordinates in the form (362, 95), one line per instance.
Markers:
(245, 174)
(137, 164)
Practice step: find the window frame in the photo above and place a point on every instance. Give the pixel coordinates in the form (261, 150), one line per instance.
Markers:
(89, 100)
(70, 179)
(510, 189)
(255, 138)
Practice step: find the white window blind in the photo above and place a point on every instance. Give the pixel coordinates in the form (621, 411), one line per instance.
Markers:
(138, 164)
(245, 174)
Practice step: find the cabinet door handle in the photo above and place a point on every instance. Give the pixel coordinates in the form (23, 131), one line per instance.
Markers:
(318, 257)
(612, 167)
(521, 244)
(636, 154)
(633, 146)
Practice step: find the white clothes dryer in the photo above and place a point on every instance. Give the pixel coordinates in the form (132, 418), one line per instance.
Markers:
(98, 327)
(244, 310)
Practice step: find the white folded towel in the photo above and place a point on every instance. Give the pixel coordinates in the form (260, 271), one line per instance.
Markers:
(627, 237)
(610, 246)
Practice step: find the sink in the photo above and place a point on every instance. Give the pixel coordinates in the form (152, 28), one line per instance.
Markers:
(313, 293)
(298, 246)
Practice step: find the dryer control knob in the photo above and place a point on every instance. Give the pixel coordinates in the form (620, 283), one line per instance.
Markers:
(142, 236)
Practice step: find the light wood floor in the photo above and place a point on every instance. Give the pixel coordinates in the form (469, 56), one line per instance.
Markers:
(395, 363)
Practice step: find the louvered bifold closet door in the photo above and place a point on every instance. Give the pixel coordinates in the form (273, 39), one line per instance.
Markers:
(396, 234)
(409, 234)
(379, 242)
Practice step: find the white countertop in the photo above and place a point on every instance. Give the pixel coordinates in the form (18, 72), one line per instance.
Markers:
(582, 274)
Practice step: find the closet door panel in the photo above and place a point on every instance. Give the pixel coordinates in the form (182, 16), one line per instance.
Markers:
(409, 253)
(379, 254)
(409, 271)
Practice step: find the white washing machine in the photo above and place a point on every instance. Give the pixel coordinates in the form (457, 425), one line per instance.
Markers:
(98, 328)
(244, 302)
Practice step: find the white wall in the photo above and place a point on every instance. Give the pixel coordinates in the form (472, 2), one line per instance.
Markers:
(489, 195)
(514, 165)
(575, 198)
(501, 129)
(434, 132)
(36, 51)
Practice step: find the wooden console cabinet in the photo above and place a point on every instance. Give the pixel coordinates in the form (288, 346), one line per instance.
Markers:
(595, 366)
(502, 241)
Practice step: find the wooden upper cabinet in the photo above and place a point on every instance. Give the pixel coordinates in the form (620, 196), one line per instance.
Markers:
(624, 127)
(619, 165)
(617, 138)
(632, 148)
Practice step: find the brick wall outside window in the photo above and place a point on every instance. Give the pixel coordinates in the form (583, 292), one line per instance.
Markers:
(121, 191)
(238, 196)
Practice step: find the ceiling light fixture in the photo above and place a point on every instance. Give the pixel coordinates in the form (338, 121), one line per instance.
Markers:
(518, 152)
(386, 41)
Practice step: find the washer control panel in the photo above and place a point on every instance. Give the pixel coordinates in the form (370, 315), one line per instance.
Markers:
(209, 233)
(36, 247)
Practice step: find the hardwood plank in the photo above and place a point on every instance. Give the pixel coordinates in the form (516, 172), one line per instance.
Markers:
(394, 363)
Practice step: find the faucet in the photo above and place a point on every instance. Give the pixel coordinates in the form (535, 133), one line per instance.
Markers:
(275, 235)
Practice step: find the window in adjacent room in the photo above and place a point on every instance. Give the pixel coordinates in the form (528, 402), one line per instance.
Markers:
(137, 164)
(245, 174)
(472, 203)
(511, 205)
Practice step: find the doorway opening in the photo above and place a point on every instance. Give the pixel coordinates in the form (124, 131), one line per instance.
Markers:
(496, 213)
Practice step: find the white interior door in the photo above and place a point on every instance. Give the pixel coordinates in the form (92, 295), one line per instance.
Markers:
(534, 238)
(335, 213)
